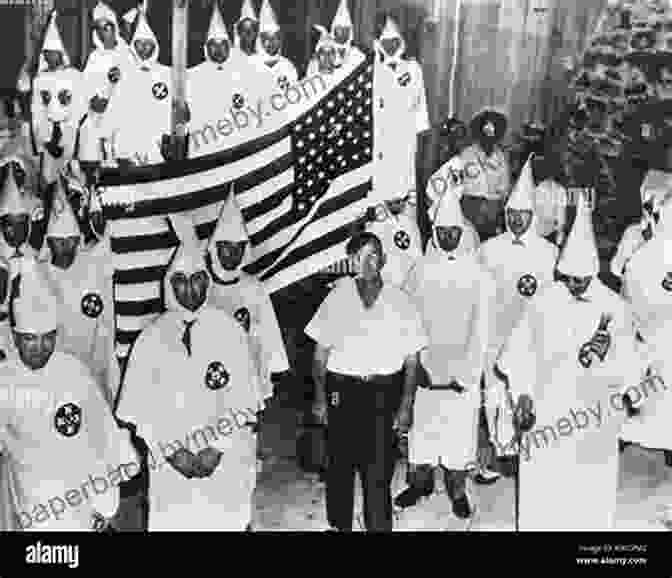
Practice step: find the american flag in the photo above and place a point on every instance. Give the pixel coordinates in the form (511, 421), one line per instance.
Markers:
(302, 189)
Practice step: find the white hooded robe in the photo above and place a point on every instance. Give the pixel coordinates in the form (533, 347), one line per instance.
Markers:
(143, 111)
(167, 394)
(245, 299)
(453, 293)
(649, 292)
(227, 116)
(400, 115)
(63, 448)
(96, 77)
(569, 460)
(522, 268)
(84, 293)
(50, 102)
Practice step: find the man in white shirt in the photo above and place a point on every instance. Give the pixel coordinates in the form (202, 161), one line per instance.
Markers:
(368, 337)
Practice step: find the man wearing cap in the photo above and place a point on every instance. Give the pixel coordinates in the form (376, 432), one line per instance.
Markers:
(487, 173)
(147, 94)
(648, 290)
(454, 293)
(269, 49)
(246, 30)
(655, 188)
(81, 279)
(56, 429)
(106, 69)
(243, 296)
(58, 104)
(571, 353)
(192, 392)
(230, 114)
(522, 264)
(364, 391)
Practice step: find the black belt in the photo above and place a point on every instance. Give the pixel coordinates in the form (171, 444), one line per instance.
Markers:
(367, 378)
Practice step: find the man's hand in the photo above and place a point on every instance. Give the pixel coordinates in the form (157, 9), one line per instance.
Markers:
(209, 459)
(181, 112)
(186, 463)
(98, 105)
(600, 345)
(320, 411)
(523, 417)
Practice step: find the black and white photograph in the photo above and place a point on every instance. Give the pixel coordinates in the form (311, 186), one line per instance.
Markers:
(336, 266)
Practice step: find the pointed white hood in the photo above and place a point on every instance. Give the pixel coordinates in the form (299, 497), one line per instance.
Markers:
(52, 41)
(217, 30)
(103, 12)
(35, 310)
(62, 220)
(449, 214)
(12, 199)
(343, 19)
(230, 227)
(268, 23)
(143, 31)
(522, 196)
(579, 257)
(247, 12)
(391, 31)
(189, 258)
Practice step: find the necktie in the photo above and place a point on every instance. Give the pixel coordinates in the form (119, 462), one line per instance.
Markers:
(186, 336)
(57, 133)
(393, 66)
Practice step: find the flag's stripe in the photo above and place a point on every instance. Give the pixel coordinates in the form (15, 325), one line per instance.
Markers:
(316, 255)
(352, 206)
(271, 215)
(266, 196)
(137, 291)
(332, 200)
(137, 308)
(192, 191)
(140, 275)
(287, 245)
(164, 173)
(139, 243)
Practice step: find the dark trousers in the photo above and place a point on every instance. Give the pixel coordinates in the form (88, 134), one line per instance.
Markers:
(360, 439)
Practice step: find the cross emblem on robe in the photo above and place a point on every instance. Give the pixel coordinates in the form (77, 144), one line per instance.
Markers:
(68, 420)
